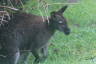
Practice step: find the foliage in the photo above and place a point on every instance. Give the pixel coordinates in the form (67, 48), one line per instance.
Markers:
(80, 46)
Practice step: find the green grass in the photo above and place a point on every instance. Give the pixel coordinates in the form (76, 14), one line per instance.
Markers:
(80, 46)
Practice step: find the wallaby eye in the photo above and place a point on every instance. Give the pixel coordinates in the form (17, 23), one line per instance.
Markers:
(60, 22)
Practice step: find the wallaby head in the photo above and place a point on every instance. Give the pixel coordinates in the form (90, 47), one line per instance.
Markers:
(58, 21)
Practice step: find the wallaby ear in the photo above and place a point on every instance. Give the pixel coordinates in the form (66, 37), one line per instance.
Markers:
(53, 14)
(63, 9)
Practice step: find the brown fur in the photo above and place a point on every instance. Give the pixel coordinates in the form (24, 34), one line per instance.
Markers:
(29, 32)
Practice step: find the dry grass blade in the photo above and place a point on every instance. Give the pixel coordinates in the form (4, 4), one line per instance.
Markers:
(7, 7)
(2, 17)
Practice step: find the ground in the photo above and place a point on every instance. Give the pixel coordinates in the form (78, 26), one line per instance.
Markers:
(80, 46)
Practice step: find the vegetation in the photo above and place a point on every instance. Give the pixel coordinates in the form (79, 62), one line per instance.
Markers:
(80, 46)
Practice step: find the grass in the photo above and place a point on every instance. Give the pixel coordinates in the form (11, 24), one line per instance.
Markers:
(80, 46)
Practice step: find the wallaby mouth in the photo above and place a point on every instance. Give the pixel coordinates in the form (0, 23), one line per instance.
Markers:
(67, 31)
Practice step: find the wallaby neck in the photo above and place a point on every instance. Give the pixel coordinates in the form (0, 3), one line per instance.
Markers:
(50, 25)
